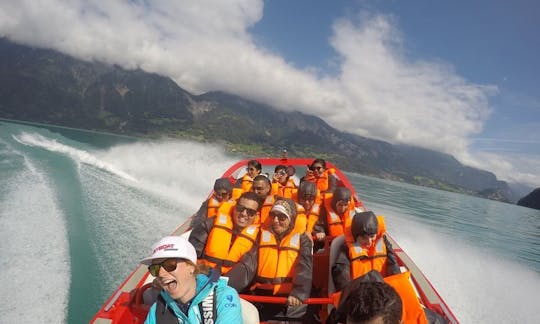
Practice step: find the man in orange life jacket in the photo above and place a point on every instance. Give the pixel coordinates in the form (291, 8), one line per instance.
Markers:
(281, 265)
(222, 192)
(338, 209)
(263, 188)
(222, 240)
(309, 198)
(253, 169)
(365, 248)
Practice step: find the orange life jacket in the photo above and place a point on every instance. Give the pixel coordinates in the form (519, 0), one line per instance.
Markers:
(213, 206)
(277, 261)
(286, 190)
(247, 181)
(312, 215)
(265, 209)
(335, 222)
(300, 224)
(221, 248)
(365, 260)
(413, 311)
(322, 181)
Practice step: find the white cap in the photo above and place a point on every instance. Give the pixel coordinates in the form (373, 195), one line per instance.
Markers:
(281, 209)
(171, 247)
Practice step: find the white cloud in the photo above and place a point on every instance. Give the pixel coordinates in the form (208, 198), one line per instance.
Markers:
(206, 45)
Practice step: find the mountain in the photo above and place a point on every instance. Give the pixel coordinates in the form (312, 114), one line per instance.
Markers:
(45, 86)
(532, 200)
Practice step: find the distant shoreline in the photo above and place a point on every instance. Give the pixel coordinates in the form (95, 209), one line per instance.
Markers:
(23, 122)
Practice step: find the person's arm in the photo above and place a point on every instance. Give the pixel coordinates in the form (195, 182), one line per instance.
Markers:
(199, 235)
(341, 270)
(332, 182)
(228, 306)
(242, 273)
(391, 264)
(201, 214)
(304, 270)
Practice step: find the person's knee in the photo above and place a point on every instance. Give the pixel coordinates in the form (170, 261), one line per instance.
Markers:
(250, 314)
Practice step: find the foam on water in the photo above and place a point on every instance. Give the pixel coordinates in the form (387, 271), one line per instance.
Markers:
(81, 156)
(34, 266)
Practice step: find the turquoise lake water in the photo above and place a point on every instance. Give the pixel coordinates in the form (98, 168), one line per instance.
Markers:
(79, 209)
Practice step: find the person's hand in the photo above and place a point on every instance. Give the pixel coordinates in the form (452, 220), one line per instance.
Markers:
(275, 177)
(320, 236)
(293, 301)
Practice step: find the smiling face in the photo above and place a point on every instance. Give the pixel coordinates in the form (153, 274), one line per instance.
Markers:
(318, 169)
(245, 212)
(342, 206)
(180, 283)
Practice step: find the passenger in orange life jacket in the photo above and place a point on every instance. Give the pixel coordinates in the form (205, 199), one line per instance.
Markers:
(222, 192)
(324, 178)
(368, 299)
(253, 169)
(282, 184)
(338, 209)
(280, 265)
(365, 248)
(221, 241)
(263, 188)
(308, 196)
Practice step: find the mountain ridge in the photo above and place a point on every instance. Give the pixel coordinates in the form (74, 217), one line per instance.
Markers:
(40, 85)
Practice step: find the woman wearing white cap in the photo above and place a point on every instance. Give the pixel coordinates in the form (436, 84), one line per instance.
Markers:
(188, 296)
(280, 265)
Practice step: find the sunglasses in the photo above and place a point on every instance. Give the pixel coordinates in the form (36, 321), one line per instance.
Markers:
(251, 169)
(318, 168)
(281, 173)
(168, 264)
(250, 212)
(281, 217)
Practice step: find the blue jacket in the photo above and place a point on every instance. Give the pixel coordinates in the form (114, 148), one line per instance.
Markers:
(227, 303)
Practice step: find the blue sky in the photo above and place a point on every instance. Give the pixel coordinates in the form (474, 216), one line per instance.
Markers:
(462, 77)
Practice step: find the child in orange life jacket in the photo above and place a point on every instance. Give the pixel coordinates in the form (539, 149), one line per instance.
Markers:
(365, 248)
(222, 192)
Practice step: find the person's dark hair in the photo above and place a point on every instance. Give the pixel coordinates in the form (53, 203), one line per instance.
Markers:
(364, 223)
(280, 167)
(224, 184)
(254, 163)
(318, 161)
(262, 177)
(307, 188)
(373, 299)
(250, 195)
(341, 193)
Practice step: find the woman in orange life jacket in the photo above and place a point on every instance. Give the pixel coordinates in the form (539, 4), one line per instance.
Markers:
(282, 184)
(280, 265)
(367, 252)
(221, 241)
(365, 248)
(338, 209)
(253, 169)
(324, 178)
(222, 193)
